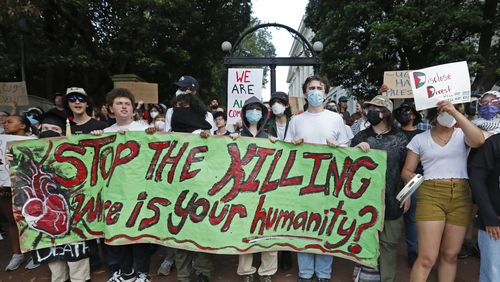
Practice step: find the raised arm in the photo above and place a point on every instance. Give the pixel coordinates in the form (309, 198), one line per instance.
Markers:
(473, 135)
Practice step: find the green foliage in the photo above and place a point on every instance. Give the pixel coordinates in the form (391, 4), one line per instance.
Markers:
(363, 38)
(85, 42)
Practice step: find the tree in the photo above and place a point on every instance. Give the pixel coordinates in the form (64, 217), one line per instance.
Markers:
(84, 42)
(364, 38)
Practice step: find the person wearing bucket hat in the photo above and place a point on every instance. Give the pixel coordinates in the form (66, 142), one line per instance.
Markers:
(383, 135)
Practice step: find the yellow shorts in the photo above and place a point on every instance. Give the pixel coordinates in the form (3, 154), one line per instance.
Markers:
(446, 200)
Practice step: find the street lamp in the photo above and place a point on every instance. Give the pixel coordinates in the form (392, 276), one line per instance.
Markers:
(318, 46)
(226, 46)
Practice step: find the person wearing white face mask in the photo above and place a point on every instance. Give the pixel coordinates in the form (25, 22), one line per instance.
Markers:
(154, 111)
(281, 113)
(316, 126)
(444, 203)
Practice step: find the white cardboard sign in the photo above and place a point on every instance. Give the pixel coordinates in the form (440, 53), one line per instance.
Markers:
(449, 82)
(242, 83)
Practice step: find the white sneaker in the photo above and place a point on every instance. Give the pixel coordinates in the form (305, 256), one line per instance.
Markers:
(31, 264)
(142, 277)
(165, 267)
(15, 262)
(118, 276)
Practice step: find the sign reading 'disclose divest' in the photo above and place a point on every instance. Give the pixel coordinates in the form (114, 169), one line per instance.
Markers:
(449, 82)
(398, 83)
(13, 92)
(212, 195)
(242, 83)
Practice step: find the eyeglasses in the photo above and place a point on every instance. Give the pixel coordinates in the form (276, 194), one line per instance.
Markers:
(74, 98)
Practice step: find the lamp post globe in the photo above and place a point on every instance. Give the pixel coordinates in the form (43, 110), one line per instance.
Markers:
(226, 46)
(318, 46)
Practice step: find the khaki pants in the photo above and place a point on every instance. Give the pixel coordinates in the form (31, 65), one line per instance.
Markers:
(268, 265)
(76, 271)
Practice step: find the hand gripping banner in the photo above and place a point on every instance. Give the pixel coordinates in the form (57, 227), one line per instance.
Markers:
(212, 194)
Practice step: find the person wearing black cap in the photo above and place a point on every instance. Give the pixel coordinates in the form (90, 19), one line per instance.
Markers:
(79, 108)
(408, 117)
(188, 85)
(281, 113)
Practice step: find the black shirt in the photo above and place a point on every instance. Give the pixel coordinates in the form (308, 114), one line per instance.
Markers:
(86, 128)
(484, 179)
(394, 143)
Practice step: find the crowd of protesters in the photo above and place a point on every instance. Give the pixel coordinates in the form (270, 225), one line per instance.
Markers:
(455, 147)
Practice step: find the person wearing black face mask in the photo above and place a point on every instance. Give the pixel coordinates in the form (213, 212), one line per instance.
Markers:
(52, 126)
(78, 268)
(408, 117)
(383, 135)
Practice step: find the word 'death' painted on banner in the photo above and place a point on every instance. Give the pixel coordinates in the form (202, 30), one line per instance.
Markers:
(449, 82)
(242, 83)
(211, 195)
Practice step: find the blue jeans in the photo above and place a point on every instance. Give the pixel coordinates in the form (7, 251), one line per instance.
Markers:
(411, 226)
(490, 256)
(310, 264)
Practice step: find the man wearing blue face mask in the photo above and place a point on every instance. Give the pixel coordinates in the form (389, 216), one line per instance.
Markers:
(316, 126)
(489, 113)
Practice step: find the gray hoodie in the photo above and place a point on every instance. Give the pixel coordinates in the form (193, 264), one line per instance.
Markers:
(262, 122)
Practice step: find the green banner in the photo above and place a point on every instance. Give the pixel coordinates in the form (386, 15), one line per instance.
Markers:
(211, 194)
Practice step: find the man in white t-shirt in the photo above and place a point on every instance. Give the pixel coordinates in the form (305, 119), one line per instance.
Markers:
(317, 126)
(123, 259)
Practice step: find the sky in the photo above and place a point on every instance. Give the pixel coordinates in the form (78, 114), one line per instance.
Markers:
(287, 12)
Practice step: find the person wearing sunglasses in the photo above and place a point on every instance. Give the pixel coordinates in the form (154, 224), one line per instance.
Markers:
(79, 110)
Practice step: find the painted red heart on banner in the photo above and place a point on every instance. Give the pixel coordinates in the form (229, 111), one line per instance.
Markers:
(49, 216)
(46, 209)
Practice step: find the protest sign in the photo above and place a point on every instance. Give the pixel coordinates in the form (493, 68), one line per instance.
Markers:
(13, 92)
(214, 195)
(242, 83)
(147, 92)
(4, 166)
(398, 83)
(449, 82)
